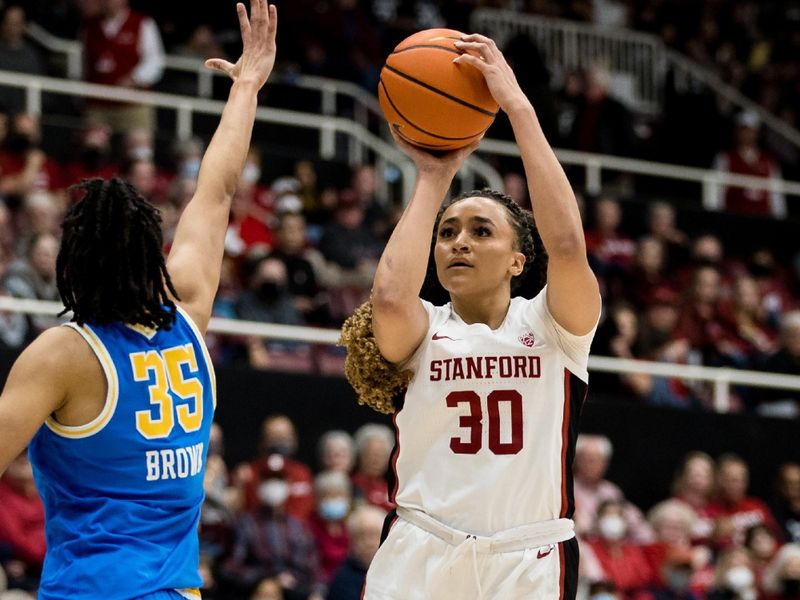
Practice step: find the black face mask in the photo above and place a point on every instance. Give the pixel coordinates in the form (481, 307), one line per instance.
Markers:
(19, 142)
(269, 291)
(93, 157)
(283, 448)
(791, 587)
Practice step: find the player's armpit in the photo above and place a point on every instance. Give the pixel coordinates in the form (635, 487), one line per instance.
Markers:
(399, 327)
(573, 295)
(36, 387)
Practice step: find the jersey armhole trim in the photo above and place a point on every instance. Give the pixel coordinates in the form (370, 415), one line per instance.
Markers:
(201, 341)
(112, 394)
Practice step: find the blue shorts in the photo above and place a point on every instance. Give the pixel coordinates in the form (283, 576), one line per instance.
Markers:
(169, 595)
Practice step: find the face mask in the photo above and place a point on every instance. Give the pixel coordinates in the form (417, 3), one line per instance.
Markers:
(273, 492)
(678, 579)
(791, 587)
(93, 157)
(739, 578)
(282, 448)
(603, 596)
(269, 291)
(334, 509)
(141, 153)
(251, 173)
(190, 169)
(612, 527)
(18, 142)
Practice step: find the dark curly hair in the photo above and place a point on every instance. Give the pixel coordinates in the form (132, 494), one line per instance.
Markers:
(110, 266)
(377, 381)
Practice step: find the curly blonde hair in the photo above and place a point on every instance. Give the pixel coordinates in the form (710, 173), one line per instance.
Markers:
(375, 380)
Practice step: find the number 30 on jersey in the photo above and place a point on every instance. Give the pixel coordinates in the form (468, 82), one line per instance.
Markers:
(164, 371)
(473, 421)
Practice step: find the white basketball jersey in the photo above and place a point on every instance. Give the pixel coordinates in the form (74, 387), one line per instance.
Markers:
(486, 433)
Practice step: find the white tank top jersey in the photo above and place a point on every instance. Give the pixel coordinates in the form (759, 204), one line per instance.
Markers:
(486, 431)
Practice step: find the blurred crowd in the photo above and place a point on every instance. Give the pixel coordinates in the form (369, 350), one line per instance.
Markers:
(274, 528)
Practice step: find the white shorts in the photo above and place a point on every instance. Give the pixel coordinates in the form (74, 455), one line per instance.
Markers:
(427, 560)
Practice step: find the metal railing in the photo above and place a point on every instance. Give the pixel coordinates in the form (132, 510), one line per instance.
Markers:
(638, 61)
(720, 378)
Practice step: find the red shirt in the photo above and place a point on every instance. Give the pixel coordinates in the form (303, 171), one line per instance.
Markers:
(110, 59)
(374, 491)
(743, 514)
(75, 172)
(22, 524)
(300, 503)
(49, 177)
(750, 201)
(332, 548)
(252, 232)
(629, 570)
(614, 249)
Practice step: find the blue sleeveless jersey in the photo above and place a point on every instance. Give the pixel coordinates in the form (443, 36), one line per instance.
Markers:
(122, 494)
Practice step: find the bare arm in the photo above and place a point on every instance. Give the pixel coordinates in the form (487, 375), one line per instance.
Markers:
(196, 256)
(398, 318)
(36, 387)
(573, 296)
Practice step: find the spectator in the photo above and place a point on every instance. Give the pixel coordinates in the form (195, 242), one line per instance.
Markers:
(694, 485)
(364, 527)
(221, 502)
(661, 225)
(761, 542)
(143, 174)
(374, 443)
(337, 451)
(609, 249)
(22, 515)
(278, 436)
(617, 337)
(333, 497)
(267, 589)
(786, 506)
(122, 47)
(623, 563)
(23, 166)
(365, 186)
(592, 457)
(34, 277)
(648, 273)
(676, 576)
(16, 54)
(348, 241)
(672, 522)
(41, 214)
(733, 577)
(747, 158)
(748, 320)
(270, 542)
(94, 156)
(248, 232)
(782, 576)
(785, 360)
(732, 509)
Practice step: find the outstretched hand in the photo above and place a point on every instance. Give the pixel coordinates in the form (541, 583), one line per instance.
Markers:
(258, 40)
(445, 164)
(482, 53)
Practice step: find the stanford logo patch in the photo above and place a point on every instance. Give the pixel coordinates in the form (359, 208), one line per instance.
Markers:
(527, 339)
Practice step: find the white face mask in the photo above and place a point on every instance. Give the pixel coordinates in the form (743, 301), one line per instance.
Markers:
(273, 492)
(739, 578)
(251, 173)
(141, 153)
(612, 527)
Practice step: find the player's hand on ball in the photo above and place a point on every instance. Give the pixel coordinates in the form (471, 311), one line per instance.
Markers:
(258, 41)
(482, 53)
(443, 164)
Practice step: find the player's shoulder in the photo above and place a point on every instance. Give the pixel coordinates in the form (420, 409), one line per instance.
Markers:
(56, 352)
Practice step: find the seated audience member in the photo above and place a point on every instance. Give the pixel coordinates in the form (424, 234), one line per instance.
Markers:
(24, 167)
(647, 275)
(143, 174)
(732, 510)
(661, 225)
(16, 53)
(267, 589)
(592, 458)
(337, 451)
(22, 515)
(270, 542)
(374, 445)
(364, 526)
(748, 320)
(617, 337)
(248, 232)
(786, 360)
(676, 575)
(694, 485)
(278, 436)
(365, 185)
(782, 576)
(610, 251)
(222, 500)
(333, 496)
(672, 522)
(622, 562)
(93, 158)
(760, 540)
(733, 577)
(786, 503)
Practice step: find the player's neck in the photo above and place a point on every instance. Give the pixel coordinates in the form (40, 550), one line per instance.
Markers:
(490, 309)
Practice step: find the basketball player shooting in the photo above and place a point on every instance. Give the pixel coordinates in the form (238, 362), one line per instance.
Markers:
(493, 382)
(116, 407)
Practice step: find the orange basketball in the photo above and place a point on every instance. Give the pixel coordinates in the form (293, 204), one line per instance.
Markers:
(430, 101)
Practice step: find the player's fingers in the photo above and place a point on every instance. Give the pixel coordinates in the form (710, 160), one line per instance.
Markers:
(244, 23)
(273, 21)
(479, 47)
(490, 43)
(219, 65)
(471, 60)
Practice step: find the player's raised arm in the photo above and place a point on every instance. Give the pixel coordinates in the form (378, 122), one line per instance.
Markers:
(399, 320)
(196, 255)
(573, 295)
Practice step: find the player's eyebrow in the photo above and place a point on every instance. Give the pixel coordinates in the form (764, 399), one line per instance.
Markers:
(478, 218)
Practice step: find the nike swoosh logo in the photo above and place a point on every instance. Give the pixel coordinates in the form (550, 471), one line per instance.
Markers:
(436, 336)
(540, 554)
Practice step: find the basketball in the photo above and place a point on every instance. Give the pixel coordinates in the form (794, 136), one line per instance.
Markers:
(427, 99)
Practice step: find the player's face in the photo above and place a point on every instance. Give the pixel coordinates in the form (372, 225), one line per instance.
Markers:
(475, 250)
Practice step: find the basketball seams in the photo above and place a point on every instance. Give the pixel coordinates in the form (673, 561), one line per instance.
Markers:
(417, 127)
(433, 46)
(440, 92)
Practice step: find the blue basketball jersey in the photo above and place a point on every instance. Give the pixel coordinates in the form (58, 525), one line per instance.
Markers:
(122, 494)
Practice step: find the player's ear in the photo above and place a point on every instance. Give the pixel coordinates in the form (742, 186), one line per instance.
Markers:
(517, 264)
